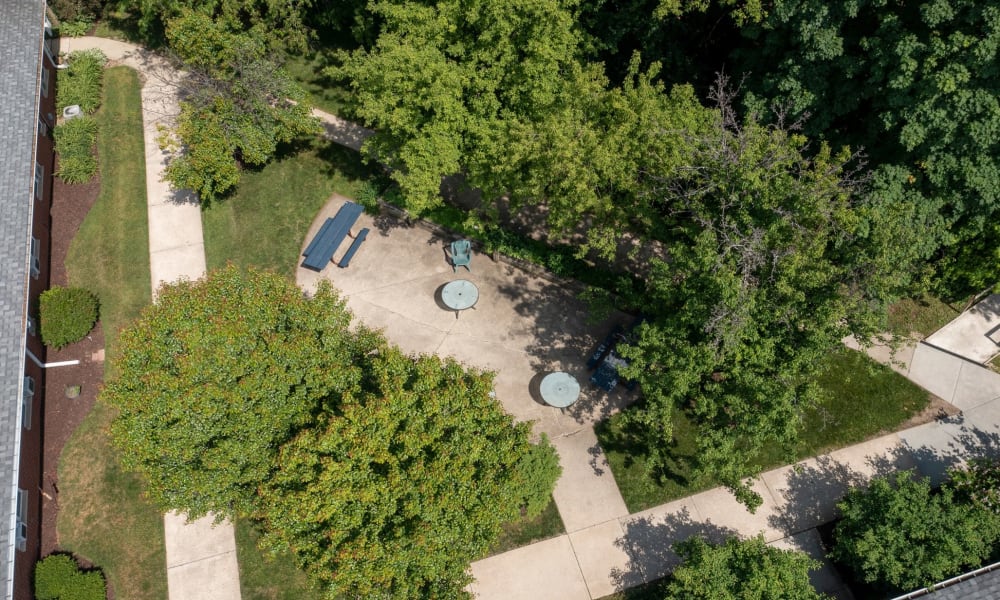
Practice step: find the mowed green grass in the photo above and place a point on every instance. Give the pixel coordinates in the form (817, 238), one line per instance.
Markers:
(923, 315)
(103, 516)
(264, 223)
(861, 399)
(264, 576)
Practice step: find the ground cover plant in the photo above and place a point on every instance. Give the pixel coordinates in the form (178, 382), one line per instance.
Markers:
(859, 400)
(80, 83)
(103, 514)
(75, 141)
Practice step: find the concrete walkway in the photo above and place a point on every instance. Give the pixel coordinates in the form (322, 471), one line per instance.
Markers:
(974, 334)
(201, 557)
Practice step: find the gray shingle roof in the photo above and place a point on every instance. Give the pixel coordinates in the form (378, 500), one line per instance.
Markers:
(981, 584)
(21, 30)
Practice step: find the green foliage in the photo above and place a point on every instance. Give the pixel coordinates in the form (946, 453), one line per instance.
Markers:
(76, 10)
(537, 473)
(383, 474)
(75, 28)
(368, 197)
(772, 263)
(899, 534)
(75, 141)
(66, 315)
(978, 483)
(239, 106)
(741, 570)
(59, 577)
(220, 372)
(917, 84)
(81, 82)
(393, 493)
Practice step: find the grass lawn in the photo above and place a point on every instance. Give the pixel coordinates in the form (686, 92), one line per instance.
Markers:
(862, 399)
(922, 315)
(264, 222)
(266, 577)
(327, 94)
(102, 514)
(526, 531)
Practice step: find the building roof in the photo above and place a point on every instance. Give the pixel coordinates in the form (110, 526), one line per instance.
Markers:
(981, 584)
(21, 36)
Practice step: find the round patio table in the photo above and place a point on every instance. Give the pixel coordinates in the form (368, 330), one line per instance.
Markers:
(559, 389)
(459, 295)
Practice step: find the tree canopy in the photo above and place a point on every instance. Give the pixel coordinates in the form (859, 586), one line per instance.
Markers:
(740, 570)
(384, 474)
(899, 534)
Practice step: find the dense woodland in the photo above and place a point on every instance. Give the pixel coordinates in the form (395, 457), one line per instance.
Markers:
(802, 163)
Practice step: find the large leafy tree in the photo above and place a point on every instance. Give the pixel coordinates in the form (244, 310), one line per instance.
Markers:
(385, 474)
(394, 492)
(238, 105)
(772, 260)
(220, 372)
(900, 534)
(918, 84)
(741, 570)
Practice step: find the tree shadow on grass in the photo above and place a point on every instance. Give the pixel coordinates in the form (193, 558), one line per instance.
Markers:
(649, 540)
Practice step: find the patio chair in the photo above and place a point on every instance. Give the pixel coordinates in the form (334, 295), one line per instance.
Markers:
(461, 254)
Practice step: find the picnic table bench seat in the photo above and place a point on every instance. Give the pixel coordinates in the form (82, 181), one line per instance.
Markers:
(320, 250)
(346, 260)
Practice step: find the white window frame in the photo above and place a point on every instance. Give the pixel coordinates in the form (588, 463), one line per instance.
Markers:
(32, 326)
(22, 520)
(27, 400)
(36, 263)
(43, 129)
(39, 180)
(45, 82)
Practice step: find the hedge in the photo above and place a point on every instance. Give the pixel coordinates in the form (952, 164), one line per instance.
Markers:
(66, 315)
(59, 577)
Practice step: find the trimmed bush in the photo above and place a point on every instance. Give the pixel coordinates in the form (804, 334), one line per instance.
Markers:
(59, 577)
(80, 83)
(538, 471)
(75, 141)
(66, 315)
(75, 28)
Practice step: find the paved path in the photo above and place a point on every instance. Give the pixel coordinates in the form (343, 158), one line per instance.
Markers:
(974, 334)
(201, 557)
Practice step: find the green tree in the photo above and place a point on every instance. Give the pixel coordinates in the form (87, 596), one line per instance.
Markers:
(918, 85)
(772, 261)
(900, 534)
(238, 106)
(978, 482)
(403, 483)
(216, 375)
(741, 570)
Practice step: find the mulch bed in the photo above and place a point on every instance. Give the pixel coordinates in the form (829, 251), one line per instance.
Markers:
(70, 204)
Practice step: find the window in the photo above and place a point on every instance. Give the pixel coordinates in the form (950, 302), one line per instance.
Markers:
(22, 519)
(45, 82)
(39, 180)
(32, 327)
(26, 402)
(43, 129)
(36, 264)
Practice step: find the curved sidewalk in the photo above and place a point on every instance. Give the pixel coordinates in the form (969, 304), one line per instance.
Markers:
(201, 557)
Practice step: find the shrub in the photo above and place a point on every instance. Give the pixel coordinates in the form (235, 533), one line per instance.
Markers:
(537, 473)
(59, 577)
(80, 83)
(75, 28)
(66, 315)
(75, 141)
(367, 197)
(905, 536)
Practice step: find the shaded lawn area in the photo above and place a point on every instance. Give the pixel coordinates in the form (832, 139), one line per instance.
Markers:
(862, 399)
(527, 531)
(264, 223)
(327, 94)
(923, 315)
(268, 577)
(102, 515)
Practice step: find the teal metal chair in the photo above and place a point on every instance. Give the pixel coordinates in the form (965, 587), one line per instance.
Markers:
(461, 254)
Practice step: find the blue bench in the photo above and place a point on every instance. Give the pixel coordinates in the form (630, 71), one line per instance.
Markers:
(346, 260)
(329, 237)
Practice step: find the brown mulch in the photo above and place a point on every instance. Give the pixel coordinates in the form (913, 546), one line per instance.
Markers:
(70, 204)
